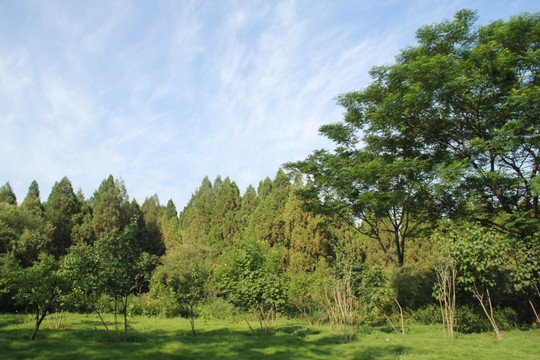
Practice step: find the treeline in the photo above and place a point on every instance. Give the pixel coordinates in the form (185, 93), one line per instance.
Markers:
(426, 210)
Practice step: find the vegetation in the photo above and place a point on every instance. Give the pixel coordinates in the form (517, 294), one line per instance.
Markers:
(435, 163)
(161, 338)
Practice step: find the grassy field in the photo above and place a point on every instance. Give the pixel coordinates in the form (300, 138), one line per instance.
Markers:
(83, 337)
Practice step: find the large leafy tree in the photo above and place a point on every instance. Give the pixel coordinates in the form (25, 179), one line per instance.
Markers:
(458, 112)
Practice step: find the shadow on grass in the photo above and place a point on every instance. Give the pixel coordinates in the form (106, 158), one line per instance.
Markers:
(81, 343)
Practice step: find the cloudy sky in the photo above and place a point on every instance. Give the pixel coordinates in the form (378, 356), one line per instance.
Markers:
(163, 93)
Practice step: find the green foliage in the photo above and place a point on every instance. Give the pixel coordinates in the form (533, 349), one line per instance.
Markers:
(218, 309)
(109, 204)
(152, 238)
(429, 314)
(60, 209)
(7, 194)
(250, 274)
(32, 201)
(38, 287)
(413, 286)
(479, 254)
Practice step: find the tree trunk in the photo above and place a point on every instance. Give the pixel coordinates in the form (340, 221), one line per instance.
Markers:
(489, 314)
(192, 318)
(39, 319)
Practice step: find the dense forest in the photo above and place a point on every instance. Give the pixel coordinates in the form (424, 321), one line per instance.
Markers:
(426, 211)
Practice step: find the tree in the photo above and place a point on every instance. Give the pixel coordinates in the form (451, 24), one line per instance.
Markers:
(82, 230)
(306, 235)
(248, 205)
(458, 112)
(7, 194)
(119, 267)
(110, 204)
(186, 270)
(250, 275)
(266, 222)
(32, 201)
(82, 267)
(151, 211)
(169, 211)
(38, 287)
(479, 254)
(23, 234)
(194, 220)
(60, 209)
(224, 223)
(445, 288)
(380, 188)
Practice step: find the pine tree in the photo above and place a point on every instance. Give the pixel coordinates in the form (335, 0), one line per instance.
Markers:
(60, 210)
(247, 207)
(110, 206)
(224, 225)
(7, 195)
(32, 201)
(151, 211)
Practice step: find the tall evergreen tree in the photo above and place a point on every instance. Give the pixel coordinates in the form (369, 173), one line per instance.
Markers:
(7, 194)
(83, 231)
(170, 211)
(247, 207)
(110, 204)
(151, 211)
(224, 225)
(196, 217)
(60, 209)
(305, 234)
(32, 201)
(267, 220)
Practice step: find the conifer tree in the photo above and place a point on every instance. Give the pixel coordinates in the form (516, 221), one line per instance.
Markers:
(60, 210)
(196, 217)
(110, 204)
(151, 211)
(267, 222)
(224, 225)
(248, 205)
(32, 201)
(7, 195)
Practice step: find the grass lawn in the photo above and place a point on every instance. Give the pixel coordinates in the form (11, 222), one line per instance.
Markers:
(83, 337)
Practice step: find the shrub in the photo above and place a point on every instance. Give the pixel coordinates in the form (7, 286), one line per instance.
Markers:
(218, 309)
(429, 314)
(414, 287)
(470, 320)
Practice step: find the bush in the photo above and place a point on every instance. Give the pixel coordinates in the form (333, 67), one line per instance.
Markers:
(507, 318)
(160, 301)
(430, 314)
(218, 309)
(470, 320)
(105, 303)
(414, 287)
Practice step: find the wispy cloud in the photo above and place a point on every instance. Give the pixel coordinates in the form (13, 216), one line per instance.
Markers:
(163, 94)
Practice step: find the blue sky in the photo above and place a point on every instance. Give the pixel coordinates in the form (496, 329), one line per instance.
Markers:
(163, 93)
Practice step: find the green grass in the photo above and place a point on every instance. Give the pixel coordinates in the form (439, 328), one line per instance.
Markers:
(83, 337)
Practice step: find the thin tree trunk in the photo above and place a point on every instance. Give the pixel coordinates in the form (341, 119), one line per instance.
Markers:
(192, 318)
(125, 318)
(489, 314)
(401, 315)
(39, 319)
